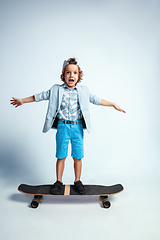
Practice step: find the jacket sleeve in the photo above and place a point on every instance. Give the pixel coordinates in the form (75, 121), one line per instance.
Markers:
(42, 96)
(94, 99)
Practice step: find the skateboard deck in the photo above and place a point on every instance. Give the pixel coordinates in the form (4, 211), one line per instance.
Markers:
(103, 192)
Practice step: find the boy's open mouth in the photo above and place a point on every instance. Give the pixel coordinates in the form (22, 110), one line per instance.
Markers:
(71, 80)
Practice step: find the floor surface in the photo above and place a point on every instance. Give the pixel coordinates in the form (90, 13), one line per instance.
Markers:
(134, 214)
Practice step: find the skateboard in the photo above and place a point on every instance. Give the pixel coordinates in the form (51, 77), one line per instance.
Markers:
(102, 192)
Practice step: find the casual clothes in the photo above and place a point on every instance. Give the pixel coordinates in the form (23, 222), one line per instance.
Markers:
(69, 133)
(70, 107)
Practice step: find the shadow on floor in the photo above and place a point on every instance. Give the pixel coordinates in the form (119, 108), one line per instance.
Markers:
(14, 164)
(18, 197)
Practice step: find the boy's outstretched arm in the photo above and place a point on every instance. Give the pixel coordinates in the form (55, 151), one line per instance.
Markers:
(18, 102)
(110, 104)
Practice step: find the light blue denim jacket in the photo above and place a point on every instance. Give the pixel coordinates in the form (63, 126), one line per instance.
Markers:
(55, 94)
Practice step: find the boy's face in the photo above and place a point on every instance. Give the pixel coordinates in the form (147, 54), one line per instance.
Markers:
(71, 75)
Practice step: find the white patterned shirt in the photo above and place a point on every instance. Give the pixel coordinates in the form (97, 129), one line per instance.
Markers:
(70, 107)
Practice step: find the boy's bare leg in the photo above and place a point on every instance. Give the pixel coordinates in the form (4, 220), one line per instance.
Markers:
(60, 168)
(77, 168)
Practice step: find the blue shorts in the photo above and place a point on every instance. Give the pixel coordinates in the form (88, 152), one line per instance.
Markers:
(69, 133)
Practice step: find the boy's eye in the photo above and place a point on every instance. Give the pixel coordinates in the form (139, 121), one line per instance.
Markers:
(69, 72)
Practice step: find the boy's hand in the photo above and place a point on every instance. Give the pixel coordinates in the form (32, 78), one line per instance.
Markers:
(118, 108)
(110, 104)
(16, 102)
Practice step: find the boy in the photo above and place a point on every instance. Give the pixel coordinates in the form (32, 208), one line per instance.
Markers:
(68, 111)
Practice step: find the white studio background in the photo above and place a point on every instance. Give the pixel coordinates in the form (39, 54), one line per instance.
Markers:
(117, 48)
(116, 44)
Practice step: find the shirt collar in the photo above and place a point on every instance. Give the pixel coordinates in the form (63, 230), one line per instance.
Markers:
(65, 86)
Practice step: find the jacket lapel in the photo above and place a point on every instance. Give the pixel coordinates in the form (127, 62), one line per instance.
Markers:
(79, 93)
(61, 91)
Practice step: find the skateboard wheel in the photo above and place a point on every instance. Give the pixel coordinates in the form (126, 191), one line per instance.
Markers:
(34, 203)
(36, 200)
(106, 203)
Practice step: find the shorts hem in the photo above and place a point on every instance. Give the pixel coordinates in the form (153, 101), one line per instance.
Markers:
(61, 157)
(77, 157)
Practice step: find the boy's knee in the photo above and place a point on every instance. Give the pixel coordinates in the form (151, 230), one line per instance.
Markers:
(75, 159)
(61, 159)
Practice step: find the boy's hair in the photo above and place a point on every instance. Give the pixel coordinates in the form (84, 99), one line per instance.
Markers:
(80, 73)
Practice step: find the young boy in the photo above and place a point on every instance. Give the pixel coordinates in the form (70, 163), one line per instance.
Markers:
(68, 111)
